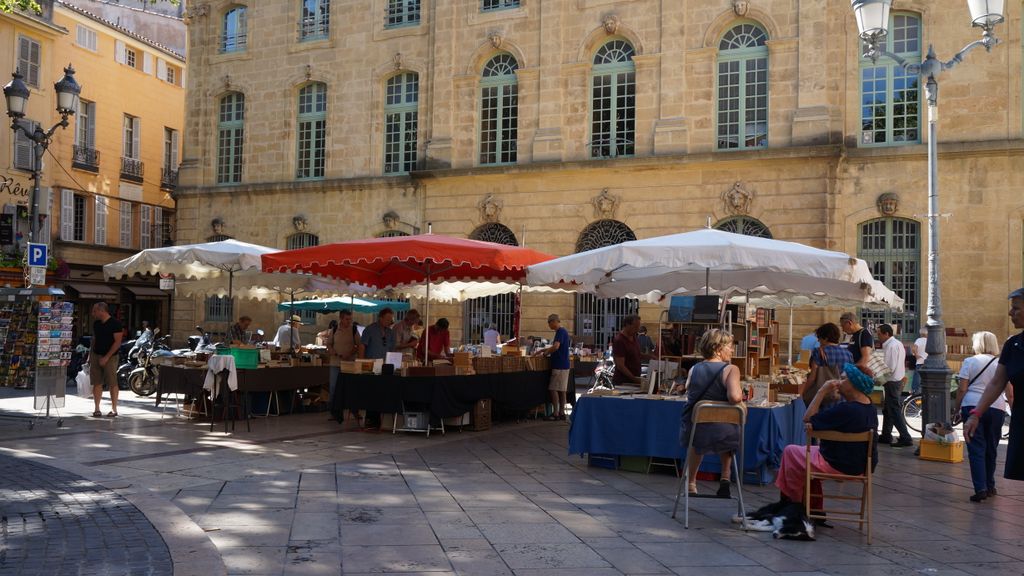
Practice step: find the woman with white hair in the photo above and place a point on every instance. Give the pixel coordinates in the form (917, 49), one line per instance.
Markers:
(975, 374)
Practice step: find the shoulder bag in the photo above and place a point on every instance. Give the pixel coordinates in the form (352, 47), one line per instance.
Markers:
(824, 373)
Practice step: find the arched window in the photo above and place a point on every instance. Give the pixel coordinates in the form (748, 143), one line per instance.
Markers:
(235, 34)
(401, 121)
(315, 20)
(613, 101)
(744, 225)
(499, 111)
(392, 234)
(218, 238)
(302, 240)
(892, 248)
(599, 319)
(312, 131)
(743, 88)
(890, 96)
(230, 134)
(498, 311)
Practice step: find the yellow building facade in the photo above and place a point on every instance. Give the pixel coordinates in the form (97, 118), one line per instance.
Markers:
(114, 167)
(571, 125)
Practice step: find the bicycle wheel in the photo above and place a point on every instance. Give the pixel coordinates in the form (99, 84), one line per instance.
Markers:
(912, 412)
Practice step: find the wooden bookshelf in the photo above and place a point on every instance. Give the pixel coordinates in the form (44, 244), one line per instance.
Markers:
(757, 343)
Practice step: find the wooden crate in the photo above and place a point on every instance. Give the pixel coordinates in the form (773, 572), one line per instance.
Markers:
(490, 365)
(462, 359)
(538, 363)
(513, 364)
(481, 417)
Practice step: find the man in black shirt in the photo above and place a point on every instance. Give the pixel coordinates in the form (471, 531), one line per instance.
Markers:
(861, 342)
(107, 333)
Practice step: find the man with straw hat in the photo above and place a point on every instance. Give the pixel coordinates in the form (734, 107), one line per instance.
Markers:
(288, 334)
(855, 415)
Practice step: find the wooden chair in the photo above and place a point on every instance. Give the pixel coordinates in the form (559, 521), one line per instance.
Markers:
(709, 412)
(860, 517)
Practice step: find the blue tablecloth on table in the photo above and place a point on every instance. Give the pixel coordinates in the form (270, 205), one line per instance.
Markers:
(627, 426)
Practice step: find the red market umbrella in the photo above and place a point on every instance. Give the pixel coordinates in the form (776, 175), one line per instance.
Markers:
(396, 261)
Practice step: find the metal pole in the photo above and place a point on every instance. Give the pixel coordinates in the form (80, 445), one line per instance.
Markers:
(935, 371)
(37, 171)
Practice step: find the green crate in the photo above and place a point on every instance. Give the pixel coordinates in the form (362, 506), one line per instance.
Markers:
(634, 463)
(244, 357)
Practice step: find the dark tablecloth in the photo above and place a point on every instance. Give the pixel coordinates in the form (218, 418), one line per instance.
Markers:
(444, 396)
(181, 380)
(641, 427)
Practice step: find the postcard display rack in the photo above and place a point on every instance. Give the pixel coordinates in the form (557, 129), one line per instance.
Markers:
(36, 331)
(755, 332)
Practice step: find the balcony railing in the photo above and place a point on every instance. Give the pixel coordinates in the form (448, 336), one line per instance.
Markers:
(85, 158)
(168, 179)
(132, 169)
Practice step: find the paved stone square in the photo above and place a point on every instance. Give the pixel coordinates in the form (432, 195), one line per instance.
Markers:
(296, 496)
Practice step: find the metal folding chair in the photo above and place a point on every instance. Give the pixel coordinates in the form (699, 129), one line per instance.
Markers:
(859, 517)
(709, 412)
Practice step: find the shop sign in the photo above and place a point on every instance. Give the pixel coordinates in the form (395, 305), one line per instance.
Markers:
(6, 229)
(8, 185)
(167, 283)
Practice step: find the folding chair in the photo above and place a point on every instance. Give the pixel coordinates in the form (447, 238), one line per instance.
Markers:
(708, 412)
(861, 517)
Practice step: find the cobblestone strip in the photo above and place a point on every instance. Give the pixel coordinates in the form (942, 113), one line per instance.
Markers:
(54, 522)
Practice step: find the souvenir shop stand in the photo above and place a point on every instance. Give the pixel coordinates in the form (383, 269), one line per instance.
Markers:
(35, 329)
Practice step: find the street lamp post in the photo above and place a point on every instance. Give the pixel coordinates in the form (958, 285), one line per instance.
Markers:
(17, 93)
(873, 21)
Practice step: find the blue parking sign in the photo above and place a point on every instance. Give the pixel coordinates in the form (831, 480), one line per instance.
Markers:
(37, 255)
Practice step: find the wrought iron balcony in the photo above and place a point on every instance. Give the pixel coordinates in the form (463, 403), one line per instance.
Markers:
(85, 158)
(132, 170)
(168, 179)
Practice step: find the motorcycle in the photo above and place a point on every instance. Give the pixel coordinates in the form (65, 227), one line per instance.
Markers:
(143, 380)
(126, 362)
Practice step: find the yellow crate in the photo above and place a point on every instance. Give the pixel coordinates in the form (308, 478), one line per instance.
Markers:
(938, 452)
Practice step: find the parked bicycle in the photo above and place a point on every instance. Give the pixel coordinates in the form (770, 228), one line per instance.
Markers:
(913, 406)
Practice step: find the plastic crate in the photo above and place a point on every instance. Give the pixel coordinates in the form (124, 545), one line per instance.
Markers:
(244, 357)
(939, 452)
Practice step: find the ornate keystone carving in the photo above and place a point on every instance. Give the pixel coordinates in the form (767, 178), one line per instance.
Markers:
(300, 223)
(740, 7)
(397, 59)
(888, 204)
(611, 24)
(605, 205)
(737, 200)
(496, 40)
(490, 208)
(217, 225)
(391, 219)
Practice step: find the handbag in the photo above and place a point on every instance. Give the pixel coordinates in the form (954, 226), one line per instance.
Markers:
(824, 374)
(876, 363)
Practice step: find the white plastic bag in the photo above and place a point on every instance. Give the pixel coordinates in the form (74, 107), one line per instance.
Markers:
(83, 382)
(941, 433)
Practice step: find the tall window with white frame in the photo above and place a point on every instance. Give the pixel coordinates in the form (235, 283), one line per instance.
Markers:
(85, 156)
(125, 229)
(890, 96)
(315, 20)
(613, 101)
(131, 158)
(499, 111)
(169, 172)
(230, 132)
(743, 88)
(145, 226)
(401, 117)
(892, 248)
(235, 33)
(402, 13)
(312, 132)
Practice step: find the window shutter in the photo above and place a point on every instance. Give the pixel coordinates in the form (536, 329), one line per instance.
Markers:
(101, 220)
(119, 51)
(136, 137)
(24, 148)
(90, 126)
(145, 226)
(174, 150)
(147, 62)
(126, 224)
(67, 215)
(158, 227)
(161, 69)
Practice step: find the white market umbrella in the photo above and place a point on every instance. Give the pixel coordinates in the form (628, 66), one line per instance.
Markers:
(704, 260)
(263, 286)
(192, 261)
(462, 291)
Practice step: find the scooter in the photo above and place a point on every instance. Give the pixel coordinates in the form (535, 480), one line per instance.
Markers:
(144, 379)
(127, 361)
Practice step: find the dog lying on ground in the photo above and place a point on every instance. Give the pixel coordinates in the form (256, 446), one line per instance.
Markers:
(784, 519)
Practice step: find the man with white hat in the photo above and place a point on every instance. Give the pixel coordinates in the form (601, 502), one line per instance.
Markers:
(288, 334)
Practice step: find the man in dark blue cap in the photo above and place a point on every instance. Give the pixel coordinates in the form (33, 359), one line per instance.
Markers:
(855, 415)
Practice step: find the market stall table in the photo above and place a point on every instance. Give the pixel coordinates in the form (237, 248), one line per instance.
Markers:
(628, 426)
(444, 396)
(189, 381)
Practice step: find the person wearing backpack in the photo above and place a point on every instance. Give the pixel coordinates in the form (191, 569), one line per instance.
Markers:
(861, 343)
(975, 374)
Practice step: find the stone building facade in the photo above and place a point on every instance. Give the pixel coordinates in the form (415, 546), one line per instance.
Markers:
(571, 124)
